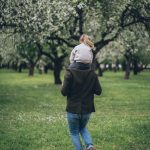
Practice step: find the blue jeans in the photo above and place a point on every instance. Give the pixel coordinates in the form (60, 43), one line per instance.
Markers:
(77, 125)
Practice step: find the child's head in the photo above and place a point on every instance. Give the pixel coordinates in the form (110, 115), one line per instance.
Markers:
(86, 40)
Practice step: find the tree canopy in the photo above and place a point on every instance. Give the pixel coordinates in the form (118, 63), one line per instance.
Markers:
(61, 23)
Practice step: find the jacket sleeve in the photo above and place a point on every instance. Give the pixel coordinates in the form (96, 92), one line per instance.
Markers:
(97, 87)
(66, 84)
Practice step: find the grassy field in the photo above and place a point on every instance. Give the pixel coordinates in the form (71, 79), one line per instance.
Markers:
(32, 113)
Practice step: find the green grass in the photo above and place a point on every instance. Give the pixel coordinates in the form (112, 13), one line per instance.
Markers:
(33, 117)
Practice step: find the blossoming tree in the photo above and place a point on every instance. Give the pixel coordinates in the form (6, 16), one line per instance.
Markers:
(63, 22)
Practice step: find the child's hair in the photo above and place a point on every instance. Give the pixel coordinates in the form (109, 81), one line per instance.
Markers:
(87, 40)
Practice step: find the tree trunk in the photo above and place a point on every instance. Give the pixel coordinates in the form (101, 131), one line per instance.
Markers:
(128, 57)
(57, 72)
(31, 70)
(46, 69)
(123, 65)
(127, 70)
(100, 72)
(135, 67)
(20, 68)
(14, 66)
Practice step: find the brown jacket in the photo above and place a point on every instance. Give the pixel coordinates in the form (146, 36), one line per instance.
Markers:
(80, 86)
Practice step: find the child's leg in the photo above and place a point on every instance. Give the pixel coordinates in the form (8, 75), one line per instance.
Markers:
(73, 65)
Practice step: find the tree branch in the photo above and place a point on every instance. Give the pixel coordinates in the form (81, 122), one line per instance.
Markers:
(69, 44)
(42, 52)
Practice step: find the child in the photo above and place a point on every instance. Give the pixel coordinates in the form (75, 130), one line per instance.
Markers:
(81, 56)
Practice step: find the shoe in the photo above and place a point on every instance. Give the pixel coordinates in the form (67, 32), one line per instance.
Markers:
(92, 148)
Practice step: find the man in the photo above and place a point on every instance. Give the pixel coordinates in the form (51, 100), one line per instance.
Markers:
(79, 86)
